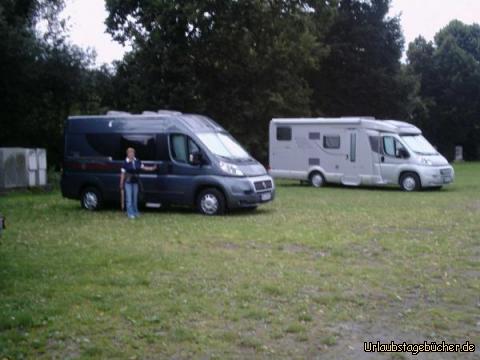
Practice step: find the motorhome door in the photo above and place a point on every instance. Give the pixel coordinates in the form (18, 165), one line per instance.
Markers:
(351, 168)
(391, 159)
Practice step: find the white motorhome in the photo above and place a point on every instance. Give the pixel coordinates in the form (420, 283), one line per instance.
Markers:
(355, 151)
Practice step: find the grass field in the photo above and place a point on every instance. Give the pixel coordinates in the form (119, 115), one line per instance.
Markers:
(312, 275)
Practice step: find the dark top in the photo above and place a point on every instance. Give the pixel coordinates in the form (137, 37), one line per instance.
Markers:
(131, 170)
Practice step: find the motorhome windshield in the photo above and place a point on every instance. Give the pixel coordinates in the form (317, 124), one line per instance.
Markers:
(223, 145)
(419, 144)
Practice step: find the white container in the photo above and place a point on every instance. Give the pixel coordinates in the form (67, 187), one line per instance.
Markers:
(21, 167)
(41, 177)
(13, 168)
(31, 155)
(42, 167)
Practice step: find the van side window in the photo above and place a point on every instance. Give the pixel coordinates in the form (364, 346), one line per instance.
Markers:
(96, 145)
(179, 148)
(162, 147)
(284, 133)
(144, 145)
(182, 147)
(192, 147)
(331, 141)
(314, 136)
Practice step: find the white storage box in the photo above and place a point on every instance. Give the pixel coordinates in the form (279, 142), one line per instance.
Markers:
(42, 167)
(20, 167)
(13, 168)
(31, 155)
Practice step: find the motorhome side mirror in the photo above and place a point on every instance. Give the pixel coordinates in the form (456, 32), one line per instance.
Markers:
(196, 158)
(402, 153)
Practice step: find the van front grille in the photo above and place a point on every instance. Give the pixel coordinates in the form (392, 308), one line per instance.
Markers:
(263, 185)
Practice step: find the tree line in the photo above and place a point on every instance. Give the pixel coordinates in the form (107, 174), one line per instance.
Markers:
(242, 63)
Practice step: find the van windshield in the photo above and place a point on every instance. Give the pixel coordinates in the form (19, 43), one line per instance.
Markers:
(419, 144)
(223, 145)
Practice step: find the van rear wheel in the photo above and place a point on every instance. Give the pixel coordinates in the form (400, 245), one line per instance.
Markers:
(211, 202)
(410, 182)
(317, 180)
(91, 199)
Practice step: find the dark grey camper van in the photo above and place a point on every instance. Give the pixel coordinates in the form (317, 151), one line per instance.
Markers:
(198, 163)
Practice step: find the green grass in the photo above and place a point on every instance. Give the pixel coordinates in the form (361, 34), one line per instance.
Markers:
(315, 273)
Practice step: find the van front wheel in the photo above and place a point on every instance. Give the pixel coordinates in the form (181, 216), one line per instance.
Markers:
(211, 202)
(410, 182)
(91, 199)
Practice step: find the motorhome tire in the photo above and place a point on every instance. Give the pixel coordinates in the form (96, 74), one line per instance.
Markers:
(316, 179)
(410, 182)
(211, 202)
(91, 199)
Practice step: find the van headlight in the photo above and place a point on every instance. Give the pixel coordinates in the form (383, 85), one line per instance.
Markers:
(230, 169)
(425, 161)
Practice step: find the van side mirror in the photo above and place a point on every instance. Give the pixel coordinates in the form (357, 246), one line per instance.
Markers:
(403, 154)
(196, 158)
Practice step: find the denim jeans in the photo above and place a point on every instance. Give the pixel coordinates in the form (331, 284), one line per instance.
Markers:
(131, 199)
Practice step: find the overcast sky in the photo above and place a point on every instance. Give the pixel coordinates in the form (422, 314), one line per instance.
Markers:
(419, 17)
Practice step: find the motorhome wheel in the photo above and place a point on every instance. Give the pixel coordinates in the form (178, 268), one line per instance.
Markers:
(316, 179)
(410, 182)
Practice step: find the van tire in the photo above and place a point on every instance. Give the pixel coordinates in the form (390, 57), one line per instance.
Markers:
(316, 179)
(91, 199)
(211, 202)
(410, 181)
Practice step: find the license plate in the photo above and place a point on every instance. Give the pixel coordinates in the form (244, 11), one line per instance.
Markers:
(266, 196)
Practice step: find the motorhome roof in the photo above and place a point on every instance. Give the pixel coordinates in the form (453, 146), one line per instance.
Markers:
(393, 126)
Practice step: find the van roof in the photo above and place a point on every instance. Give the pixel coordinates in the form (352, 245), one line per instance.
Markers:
(145, 122)
(393, 126)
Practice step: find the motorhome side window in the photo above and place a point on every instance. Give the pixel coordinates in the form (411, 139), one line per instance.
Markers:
(392, 147)
(375, 144)
(331, 141)
(144, 145)
(284, 133)
(182, 147)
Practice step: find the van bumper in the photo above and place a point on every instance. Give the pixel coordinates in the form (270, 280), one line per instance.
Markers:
(248, 192)
(437, 176)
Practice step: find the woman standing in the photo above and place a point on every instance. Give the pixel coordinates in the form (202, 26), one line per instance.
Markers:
(129, 179)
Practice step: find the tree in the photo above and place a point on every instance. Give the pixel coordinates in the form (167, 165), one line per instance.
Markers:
(362, 74)
(41, 76)
(242, 62)
(449, 73)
